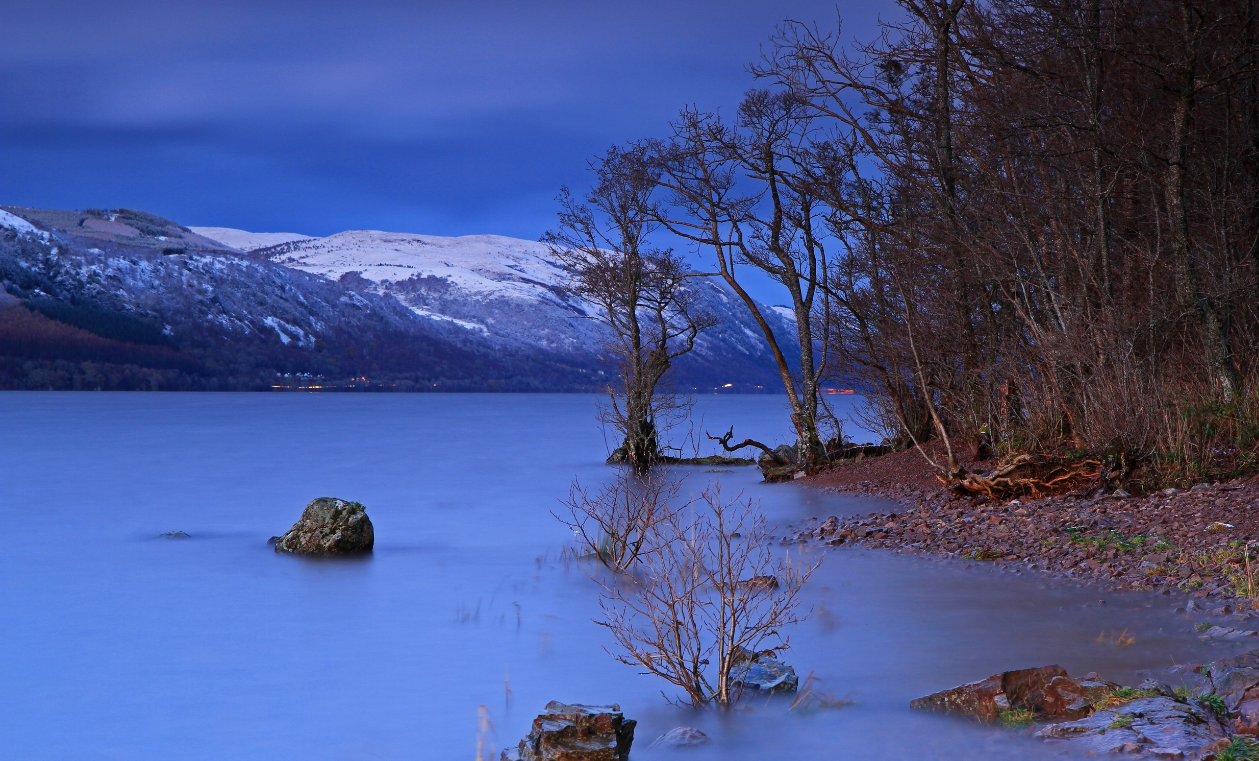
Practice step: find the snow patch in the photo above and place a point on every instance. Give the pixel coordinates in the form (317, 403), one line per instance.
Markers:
(243, 240)
(787, 313)
(15, 222)
(280, 327)
(421, 311)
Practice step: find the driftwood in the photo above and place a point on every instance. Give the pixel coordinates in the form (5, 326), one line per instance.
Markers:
(725, 444)
(1025, 474)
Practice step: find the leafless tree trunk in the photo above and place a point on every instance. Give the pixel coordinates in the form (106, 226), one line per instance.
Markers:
(640, 292)
(743, 193)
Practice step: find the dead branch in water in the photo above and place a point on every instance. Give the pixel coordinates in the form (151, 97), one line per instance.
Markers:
(725, 443)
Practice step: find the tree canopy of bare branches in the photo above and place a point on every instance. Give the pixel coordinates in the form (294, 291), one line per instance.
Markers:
(1044, 219)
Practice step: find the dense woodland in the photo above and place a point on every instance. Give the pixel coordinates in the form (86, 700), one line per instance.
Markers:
(1022, 227)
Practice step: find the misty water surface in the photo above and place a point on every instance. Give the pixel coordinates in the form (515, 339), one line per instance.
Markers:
(115, 644)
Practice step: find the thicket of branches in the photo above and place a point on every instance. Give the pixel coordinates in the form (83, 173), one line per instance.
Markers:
(1022, 225)
(1048, 221)
(698, 585)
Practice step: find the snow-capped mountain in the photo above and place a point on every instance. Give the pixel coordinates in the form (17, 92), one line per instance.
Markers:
(125, 299)
(511, 291)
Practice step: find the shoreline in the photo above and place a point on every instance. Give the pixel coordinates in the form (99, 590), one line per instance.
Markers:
(1202, 541)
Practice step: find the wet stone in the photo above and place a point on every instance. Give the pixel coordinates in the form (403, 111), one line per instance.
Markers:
(987, 699)
(1141, 725)
(576, 732)
(765, 675)
(680, 737)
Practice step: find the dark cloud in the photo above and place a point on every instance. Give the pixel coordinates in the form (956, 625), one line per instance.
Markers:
(438, 117)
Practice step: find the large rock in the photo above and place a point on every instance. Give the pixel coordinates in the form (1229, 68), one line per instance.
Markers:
(987, 699)
(576, 733)
(329, 526)
(1068, 698)
(1158, 726)
(1236, 680)
(782, 465)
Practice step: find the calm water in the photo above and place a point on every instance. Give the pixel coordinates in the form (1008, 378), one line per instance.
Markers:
(117, 645)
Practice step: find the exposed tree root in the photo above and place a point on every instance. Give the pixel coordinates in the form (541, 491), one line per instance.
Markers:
(1025, 475)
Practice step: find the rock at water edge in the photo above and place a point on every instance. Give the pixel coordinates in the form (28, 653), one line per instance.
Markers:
(576, 733)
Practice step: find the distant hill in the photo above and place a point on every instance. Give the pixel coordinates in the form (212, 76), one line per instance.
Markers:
(125, 299)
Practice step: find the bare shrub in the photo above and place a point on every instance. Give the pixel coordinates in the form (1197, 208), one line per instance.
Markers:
(618, 522)
(711, 589)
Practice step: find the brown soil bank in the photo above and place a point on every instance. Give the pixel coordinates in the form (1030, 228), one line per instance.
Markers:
(1203, 540)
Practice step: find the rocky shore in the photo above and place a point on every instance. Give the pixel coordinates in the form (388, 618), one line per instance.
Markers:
(1203, 540)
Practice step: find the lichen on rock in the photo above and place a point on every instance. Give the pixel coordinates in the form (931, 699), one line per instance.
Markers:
(329, 526)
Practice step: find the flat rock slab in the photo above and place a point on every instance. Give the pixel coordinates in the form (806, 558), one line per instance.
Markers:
(1158, 726)
(329, 526)
(1227, 634)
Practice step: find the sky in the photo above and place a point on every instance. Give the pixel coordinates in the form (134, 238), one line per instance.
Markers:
(444, 118)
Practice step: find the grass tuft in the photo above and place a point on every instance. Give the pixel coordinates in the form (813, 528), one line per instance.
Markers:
(1216, 704)
(1240, 749)
(1017, 717)
(1120, 696)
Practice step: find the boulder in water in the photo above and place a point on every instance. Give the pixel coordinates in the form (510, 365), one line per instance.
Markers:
(680, 737)
(576, 733)
(329, 526)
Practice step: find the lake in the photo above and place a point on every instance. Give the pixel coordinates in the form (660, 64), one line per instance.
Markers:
(116, 644)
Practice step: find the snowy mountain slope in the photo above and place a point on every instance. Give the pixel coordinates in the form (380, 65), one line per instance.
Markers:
(511, 291)
(235, 321)
(246, 241)
(386, 310)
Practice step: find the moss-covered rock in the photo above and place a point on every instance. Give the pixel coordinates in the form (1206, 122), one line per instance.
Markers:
(329, 526)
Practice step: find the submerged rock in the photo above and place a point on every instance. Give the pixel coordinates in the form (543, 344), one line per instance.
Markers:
(329, 526)
(680, 737)
(174, 535)
(762, 673)
(576, 733)
(1227, 634)
(1159, 726)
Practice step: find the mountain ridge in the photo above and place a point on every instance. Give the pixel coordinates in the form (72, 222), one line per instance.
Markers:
(359, 309)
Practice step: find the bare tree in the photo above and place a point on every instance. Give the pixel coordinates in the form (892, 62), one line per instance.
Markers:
(1045, 225)
(713, 591)
(742, 192)
(640, 290)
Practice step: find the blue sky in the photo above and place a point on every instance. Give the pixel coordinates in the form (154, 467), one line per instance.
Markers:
(447, 118)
